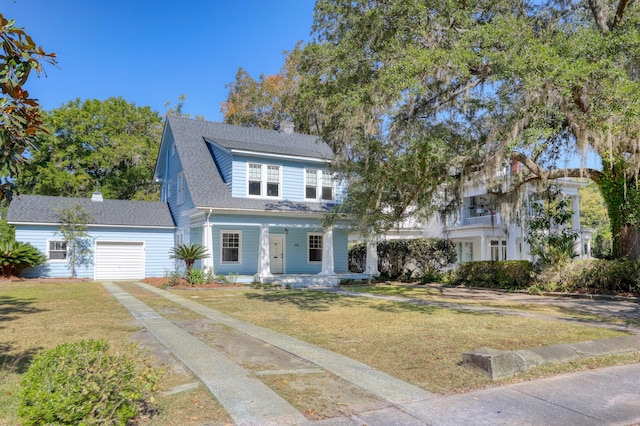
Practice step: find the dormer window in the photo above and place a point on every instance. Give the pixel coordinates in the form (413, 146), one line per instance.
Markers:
(318, 185)
(264, 180)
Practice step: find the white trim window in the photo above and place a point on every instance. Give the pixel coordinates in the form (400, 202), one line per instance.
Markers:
(230, 247)
(318, 185)
(498, 250)
(57, 250)
(314, 251)
(264, 180)
(180, 190)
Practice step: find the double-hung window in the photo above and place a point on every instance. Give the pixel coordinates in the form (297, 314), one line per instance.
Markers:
(318, 185)
(57, 250)
(231, 246)
(264, 180)
(315, 247)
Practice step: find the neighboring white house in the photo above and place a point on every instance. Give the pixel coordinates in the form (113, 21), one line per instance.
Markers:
(480, 232)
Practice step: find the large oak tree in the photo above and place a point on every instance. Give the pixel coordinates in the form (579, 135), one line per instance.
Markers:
(107, 145)
(421, 93)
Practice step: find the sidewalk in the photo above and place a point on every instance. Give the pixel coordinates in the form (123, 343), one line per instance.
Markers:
(606, 396)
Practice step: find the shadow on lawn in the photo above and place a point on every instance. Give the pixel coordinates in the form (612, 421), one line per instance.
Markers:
(307, 300)
(15, 362)
(11, 308)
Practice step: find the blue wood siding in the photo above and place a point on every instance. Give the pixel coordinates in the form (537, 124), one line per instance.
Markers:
(293, 185)
(157, 243)
(296, 243)
(224, 161)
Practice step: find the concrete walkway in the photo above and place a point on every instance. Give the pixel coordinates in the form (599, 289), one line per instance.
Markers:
(605, 396)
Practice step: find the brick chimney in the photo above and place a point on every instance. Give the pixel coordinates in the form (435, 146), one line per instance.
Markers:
(286, 127)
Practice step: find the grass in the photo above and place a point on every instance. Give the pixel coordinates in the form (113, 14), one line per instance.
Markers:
(419, 344)
(36, 316)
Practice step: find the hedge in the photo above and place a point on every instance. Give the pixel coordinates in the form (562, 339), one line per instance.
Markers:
(508, 274)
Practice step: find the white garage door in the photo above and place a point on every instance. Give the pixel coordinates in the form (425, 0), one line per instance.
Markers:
(119, 260)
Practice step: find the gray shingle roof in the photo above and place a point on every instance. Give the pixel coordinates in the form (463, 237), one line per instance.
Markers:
(201, 175)
(45, 209)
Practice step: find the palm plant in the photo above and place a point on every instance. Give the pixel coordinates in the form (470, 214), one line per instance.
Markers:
(189, 253)
(16, 256)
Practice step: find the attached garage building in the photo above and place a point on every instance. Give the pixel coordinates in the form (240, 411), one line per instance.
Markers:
(129, 240)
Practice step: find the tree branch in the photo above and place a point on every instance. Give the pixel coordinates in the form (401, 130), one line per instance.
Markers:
(622, 6)
(600, 15)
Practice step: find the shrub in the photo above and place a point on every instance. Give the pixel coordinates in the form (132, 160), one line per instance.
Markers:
(189, 253)
(407, 259)
(592, 276)
(83, 383)
(508, 274)
(15, 256)
(196, 276)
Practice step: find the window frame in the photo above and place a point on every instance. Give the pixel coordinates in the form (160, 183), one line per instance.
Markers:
(65, 251)
(222, 247)
(321, 175)
(314, 235)
(499, 248)
(264, 180)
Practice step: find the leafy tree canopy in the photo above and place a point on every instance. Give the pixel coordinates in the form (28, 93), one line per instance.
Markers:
(108, 145)
(20, 117)
(420, 95)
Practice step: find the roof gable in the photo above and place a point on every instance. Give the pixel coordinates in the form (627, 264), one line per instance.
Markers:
(203, 178)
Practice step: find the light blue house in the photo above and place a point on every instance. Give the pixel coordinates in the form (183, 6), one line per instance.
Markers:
(128, 239)
(255, 199)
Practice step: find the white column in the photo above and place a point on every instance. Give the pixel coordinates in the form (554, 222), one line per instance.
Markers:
(483, 248)
(207, 243)
(327, 252)
(264, 262)
(511, 242)
(371, 267)
(575, 224)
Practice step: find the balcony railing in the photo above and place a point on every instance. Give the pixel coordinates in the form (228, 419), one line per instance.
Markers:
(483, 220)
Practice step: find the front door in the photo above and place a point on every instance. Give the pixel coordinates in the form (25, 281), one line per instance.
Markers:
(276, 251)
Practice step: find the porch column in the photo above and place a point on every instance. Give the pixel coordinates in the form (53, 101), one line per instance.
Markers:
(371, 267)
(511, 243)
(327, 252)
(264, 264)
(483, 248)
(207, 243)
(575, 224)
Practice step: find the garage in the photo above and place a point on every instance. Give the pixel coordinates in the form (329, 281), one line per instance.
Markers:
(119, 260)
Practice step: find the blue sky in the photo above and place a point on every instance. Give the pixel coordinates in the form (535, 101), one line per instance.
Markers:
(151, 52)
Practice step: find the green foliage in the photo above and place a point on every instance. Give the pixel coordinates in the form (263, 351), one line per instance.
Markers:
(16, 256)
(74, 219)
(508, 274)
(592, 276)
(196, 276)
(593, 215)
(173, 277)
(229, 279)
(110, 145)
(547, 228)
(7, 232)
(189, 253)
(407, 258)
(84, 383)
(21, 122)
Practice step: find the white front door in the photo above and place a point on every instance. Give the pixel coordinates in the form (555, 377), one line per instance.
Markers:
(276, 252)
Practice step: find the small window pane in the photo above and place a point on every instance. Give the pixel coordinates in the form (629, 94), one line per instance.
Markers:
(273, 174)
(310, 192)
(273, 189)
(254, 188)
(255, 172)
(311, 177)
(57, 250)
(327, 193)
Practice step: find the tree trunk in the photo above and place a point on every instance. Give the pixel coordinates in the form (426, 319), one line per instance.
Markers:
(622, 197)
